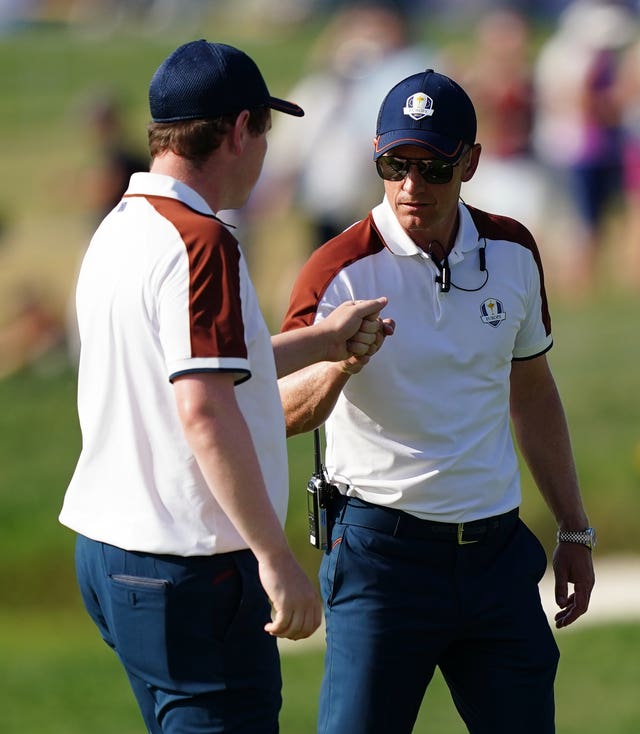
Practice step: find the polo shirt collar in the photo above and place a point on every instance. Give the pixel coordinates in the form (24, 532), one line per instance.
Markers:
(399, 242)
(157, 184)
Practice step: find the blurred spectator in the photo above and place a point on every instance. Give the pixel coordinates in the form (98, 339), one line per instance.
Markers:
(15, 14)
(324, 165)
(115, 158)
(579, 118)
(499, 78)
(31, 332)
(102, 18)
(113, 161)
(629, 96)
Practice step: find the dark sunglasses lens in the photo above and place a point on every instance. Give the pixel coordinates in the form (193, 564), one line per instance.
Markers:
(392, 169)
(436, 172)
(396, 169)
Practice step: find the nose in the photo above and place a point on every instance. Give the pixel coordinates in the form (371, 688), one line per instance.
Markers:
(413, 180)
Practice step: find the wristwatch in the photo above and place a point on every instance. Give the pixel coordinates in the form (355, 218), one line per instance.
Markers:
(586, 537)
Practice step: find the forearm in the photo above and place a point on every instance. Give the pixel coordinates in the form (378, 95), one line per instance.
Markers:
(550, 460)
(221, 442)
(543, 437)
(309, 396)
(350, 329)
(294, 350)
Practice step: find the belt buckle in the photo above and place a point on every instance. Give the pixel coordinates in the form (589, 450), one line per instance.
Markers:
(461, 533)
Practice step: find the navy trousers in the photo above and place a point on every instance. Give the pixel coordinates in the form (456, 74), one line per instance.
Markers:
(402, 597)
(189, 633)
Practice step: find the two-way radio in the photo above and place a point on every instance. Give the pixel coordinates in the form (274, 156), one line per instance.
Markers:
(319, 492)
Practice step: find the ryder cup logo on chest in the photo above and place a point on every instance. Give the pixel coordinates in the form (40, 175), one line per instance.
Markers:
(418, 105)
(493, 312)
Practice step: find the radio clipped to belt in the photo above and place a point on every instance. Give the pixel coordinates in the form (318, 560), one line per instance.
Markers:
(319, 492)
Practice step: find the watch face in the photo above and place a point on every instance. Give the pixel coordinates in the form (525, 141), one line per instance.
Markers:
(592, 537)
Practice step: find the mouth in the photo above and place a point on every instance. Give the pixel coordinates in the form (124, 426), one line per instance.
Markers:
(413, 205)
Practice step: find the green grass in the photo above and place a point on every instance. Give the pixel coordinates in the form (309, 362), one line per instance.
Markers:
(59, 678)
(39, 443)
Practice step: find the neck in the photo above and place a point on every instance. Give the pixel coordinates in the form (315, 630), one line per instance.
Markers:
(437, 250)
(206, 180)
(438, 244)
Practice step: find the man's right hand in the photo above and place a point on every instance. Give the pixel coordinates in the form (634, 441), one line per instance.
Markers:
(352, 328)
(297, 610)
(353, 364)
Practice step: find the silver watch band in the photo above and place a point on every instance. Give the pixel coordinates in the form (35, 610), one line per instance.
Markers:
(585, 537)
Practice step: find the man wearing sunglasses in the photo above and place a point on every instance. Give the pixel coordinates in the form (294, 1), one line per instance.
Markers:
(428, 563)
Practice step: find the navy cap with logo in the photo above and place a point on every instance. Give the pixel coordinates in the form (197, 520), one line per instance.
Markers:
(200, 80)
(428, 110)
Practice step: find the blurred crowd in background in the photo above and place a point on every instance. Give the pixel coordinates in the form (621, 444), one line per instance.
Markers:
(104, 16)
(559, 122)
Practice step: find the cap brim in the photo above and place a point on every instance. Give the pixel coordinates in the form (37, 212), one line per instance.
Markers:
(288, 108)
(439, 145)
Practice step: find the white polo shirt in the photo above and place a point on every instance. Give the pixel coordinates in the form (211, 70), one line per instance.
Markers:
(164, 290)
(425, 426)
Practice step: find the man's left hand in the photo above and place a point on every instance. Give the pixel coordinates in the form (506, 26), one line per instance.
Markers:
(572, 564)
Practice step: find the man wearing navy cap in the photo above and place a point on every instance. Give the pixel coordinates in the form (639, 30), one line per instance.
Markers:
(428, 563)
(180, 493)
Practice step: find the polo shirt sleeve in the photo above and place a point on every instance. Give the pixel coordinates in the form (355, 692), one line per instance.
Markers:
(534, 336)
(323, 282)
(199, 309)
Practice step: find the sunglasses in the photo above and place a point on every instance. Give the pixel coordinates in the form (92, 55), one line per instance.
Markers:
(433, 170)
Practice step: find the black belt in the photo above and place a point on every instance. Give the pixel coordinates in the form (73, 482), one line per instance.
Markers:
(354, 511)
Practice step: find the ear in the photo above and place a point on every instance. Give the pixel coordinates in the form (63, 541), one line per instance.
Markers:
(238, 134)
(469, 168)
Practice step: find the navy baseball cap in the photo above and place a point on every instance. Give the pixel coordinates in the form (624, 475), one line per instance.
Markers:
(429, 110)
(200, 80)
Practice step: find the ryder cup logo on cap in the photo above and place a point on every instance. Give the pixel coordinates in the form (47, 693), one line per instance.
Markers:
(418, 106)
(429, 110)
(201, 80)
